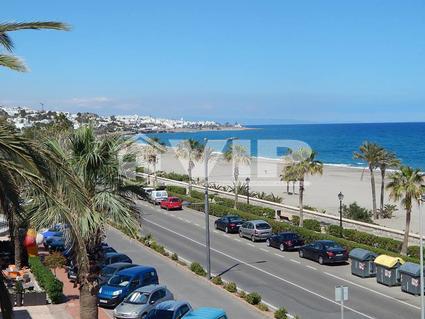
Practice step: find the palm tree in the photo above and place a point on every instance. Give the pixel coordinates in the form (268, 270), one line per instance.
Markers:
(406, 185)
(11, 61)
(152, 151)
(190, 150)
(371, 154)
(101, 193)
(304, 163)
(386, 160)
(238, 154)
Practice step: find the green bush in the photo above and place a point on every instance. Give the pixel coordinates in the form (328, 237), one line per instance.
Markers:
(295, 220)
(198, 269)
(414, 251)
(263, 307)
(231, 287)
(242, 294)
(46, 279)
(176, 189)
(174, 257)
(312, 224)
(253, 298)
(174, 176)
(217, 280)
(354, 211)
(281, 313)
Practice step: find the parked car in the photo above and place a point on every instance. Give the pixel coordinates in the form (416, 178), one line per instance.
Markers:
(172, 203)
(229, 223)
(255, 230)
(108, 271)
(169, 310)
(141, 301)
(108, 249)
(156, 197)
(123, 283)
(285, 241)
(324, 252)
(206, 313)
(147, 193)
(56, 244)
(47, 241)
(112, 258)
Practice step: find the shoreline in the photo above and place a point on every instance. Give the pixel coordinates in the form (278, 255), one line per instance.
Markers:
(209, 129)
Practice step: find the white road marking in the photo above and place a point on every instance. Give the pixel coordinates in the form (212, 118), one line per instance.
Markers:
(249, 244)
(196, 224)
(265, 272)
(279, 255)
(295, 261)
(311, 267)
(263, 249)
(237, 239)
(371, 290)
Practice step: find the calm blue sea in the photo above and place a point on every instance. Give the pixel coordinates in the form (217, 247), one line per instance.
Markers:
(334, 143)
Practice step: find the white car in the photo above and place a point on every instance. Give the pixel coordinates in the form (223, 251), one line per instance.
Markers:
(157, 197)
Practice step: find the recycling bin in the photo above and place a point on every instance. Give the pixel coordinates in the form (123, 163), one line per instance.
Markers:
(387, 270)
(410, 278)
(362, 262)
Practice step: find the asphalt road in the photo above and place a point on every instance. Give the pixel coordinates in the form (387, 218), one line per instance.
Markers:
(304, 287)
(183, 284)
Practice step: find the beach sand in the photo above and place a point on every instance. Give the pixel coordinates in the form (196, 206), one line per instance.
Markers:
(321, 192)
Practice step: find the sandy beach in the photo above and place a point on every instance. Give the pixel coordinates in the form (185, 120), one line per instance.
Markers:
(320, 191)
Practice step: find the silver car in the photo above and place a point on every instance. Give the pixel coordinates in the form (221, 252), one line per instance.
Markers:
(255, 230)
(141, 301)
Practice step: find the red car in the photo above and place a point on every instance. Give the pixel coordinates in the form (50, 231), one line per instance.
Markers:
(171, 203)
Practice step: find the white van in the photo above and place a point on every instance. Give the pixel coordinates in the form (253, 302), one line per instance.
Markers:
(157, 197)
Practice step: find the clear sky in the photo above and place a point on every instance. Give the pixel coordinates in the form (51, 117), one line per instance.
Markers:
(254, 61)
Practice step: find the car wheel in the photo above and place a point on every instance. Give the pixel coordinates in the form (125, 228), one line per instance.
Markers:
(215, 226)
(240, 234)
(301, 253)
(268, 243)
(226, 230)
(321, 261)
(168, 208)
(253, 238)
(282, 247)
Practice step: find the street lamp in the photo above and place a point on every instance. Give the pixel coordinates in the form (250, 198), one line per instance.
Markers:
(247, 180)
(341, 198)
(207, 215)
(421, 254)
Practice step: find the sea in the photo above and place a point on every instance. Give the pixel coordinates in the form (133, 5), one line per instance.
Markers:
(333, 143)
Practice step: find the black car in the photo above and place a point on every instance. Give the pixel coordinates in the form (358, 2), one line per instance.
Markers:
(108, 249)
(324, 252)
(285, 241)
(229, 223)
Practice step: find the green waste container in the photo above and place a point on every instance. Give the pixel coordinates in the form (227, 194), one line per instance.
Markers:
(362, 262)
(410, 278)
(387, 270)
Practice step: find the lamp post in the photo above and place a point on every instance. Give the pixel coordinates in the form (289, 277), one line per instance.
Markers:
(341, 198)
(421, 254)
(207, 215)
(247, 180)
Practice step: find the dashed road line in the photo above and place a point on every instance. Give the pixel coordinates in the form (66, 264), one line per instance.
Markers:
(295, 261)
(263, 249)
(311, 267)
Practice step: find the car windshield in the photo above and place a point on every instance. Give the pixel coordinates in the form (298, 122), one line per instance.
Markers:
(107, 271)
(119, 281)
(174, 199)
(108, 250)
(331, 245)
(137, 297)
(263, 226)
(234, 219)
(289, 236)
(160, 314)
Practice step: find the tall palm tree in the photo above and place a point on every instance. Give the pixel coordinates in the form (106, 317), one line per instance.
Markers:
(371, 154)
(94, 163)
(305, 163)
(238, 154)
(386, 160)
(152, 151)
(406, 185)
(190, 150)
(10, 61)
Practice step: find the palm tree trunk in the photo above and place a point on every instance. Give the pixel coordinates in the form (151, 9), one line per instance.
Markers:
(406, 233)
(189, 185)
(236, 195)
(372, 181)
(6, 306)
(287, 187)
(293, 187)
(88, 302)
(381, 206)
(154, 175)
(301, 198)
(17, 242)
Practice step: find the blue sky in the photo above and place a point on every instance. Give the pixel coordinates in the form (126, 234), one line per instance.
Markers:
(251, 61)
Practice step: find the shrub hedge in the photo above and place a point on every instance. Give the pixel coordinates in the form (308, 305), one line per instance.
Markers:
(46, 279)
(352, 238)
(176, 189)
(198, 269)
(312, 224)
(253, 298)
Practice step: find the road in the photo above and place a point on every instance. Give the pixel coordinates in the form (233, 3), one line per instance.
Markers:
(183, 284)
(304, 287)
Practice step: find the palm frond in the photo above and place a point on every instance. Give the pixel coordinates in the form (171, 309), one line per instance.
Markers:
(36, 25)
(6, 41)
(12, 62)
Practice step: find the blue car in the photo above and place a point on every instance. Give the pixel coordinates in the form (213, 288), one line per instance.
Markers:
(169, 310)
(124, 282)
(56, 244)
(206, 313)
